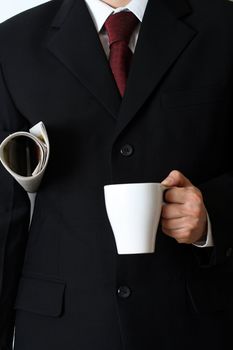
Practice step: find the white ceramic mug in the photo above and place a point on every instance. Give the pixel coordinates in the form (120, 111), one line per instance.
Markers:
(134, 212)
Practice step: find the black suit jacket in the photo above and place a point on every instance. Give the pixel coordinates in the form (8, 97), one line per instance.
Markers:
(63, 284)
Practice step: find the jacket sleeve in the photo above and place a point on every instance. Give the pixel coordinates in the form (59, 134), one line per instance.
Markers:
(218, 198)
(14, 221)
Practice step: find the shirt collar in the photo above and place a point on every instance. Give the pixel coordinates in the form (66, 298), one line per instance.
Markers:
(100, 11)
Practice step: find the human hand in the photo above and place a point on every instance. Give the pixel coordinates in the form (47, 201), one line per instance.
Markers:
(184, 216)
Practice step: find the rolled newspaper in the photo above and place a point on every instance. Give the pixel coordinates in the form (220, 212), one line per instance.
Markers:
(25, 156)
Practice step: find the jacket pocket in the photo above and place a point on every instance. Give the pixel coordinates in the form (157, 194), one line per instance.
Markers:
(186, 98)
(40, 295)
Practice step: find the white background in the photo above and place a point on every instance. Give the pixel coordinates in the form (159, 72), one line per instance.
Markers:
(9, 8)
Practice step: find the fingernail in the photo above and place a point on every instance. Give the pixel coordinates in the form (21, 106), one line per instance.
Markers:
(167, 182)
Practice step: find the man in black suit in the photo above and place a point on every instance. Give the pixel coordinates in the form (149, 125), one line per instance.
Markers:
(126, 113)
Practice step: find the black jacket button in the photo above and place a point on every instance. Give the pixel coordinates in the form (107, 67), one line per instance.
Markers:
(127, 150)
(123, 292)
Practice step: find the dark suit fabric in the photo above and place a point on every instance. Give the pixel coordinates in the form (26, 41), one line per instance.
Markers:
(59, 281)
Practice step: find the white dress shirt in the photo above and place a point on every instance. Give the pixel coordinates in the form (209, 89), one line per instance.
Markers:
(99, 12)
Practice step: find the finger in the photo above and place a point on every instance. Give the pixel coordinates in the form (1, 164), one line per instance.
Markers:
(180, 235)
(176, 224)
(175, 195)
(190, 196)
(176, 178)
(172, 211)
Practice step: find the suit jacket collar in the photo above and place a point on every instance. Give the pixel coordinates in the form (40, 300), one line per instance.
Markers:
(75, 42)
(163, 37)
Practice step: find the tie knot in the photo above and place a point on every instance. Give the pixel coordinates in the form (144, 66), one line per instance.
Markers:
(120, 26)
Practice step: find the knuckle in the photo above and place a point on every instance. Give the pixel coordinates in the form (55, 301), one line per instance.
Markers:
(195, 196)
(193, 209)
(196, 212)
(186, 234)
(187, 208)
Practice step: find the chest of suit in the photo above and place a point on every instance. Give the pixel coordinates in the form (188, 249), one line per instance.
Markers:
(168, 118)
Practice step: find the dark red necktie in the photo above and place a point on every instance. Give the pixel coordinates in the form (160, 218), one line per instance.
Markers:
(120, 27)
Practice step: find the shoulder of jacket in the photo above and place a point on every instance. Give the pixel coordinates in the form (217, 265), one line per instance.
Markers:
(212, 7)
(215, 14)
(26, 24)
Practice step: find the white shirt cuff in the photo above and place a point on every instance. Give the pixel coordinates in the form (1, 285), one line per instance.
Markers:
(209, 242)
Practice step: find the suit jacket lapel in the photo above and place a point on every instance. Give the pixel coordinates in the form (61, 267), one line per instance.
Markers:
(163, 37)
(75, 42)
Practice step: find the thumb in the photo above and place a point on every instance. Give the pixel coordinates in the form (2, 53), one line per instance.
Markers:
(176, 178)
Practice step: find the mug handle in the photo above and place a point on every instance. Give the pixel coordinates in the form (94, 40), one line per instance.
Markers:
(164, 188)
